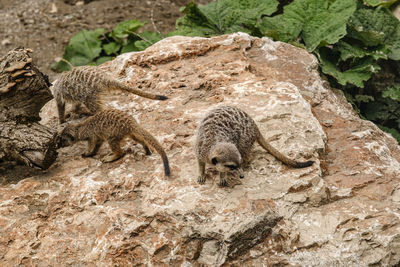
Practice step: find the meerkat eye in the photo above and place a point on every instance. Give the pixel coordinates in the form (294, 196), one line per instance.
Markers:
(231, 167)
(214, 161)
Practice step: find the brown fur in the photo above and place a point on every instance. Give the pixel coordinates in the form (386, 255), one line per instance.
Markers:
(111, 126)
(225, 138)
(85, 85)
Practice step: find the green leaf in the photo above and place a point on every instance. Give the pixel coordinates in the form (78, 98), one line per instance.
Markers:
(386, 113)
(318, 22)
(349, 49)
(364, 98)
(358, 72)
(393, 93)
(60, 66)
(129, 47)
(382, 109)
(148, 38)
(280, 28)
(328, 26)
(223, 16)
(122, 31)
(83, 48)
(372, 26)
(393, 44)
(111, 48)
(194, 23)
(384, 3)
(376, 27)
(102, 60)
(376, 111)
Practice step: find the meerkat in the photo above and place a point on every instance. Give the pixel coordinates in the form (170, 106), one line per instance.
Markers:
(112, 126)
(86, 85)
(224, 139)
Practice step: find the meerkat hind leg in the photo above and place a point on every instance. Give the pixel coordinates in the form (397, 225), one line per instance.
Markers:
(117, 152)
(93, 147)
(202, 178)
(144, 145)
(146, 149)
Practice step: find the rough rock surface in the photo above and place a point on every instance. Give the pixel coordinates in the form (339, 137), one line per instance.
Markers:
(344, 210)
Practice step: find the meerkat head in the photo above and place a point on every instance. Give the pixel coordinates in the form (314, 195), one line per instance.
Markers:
(68, 136)
(226, 158)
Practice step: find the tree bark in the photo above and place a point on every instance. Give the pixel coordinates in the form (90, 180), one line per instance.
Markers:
(23, 92)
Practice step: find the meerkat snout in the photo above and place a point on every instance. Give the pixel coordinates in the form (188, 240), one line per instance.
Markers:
(226, 158)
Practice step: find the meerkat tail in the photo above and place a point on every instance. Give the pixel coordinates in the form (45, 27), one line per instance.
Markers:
(164, 157)
(122, 86)
(273, 151)
(154, 144)
(167, 171)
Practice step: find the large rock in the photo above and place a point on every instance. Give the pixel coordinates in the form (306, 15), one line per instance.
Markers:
(344, 210)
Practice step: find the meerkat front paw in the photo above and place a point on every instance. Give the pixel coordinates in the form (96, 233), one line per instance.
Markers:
(222, 182)
(201, 179)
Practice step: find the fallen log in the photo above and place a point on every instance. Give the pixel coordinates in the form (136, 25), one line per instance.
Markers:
(23, 92)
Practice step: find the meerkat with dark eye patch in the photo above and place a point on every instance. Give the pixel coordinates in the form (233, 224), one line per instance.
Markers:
(86, 85)
(224, 139)
(111, 126)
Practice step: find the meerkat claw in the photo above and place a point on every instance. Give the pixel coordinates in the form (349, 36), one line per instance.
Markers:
(201, 180)
(222, 183)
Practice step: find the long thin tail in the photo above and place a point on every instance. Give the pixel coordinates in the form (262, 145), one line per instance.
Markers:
(296, 164)
(122, 86)
(147, 138)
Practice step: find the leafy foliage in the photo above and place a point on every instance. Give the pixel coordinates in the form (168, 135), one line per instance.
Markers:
(148, 38)
(392, 92)
(384, 3)
(375, 27)
(96, 47)
(358, 71)
(123, 30)
(223, 16)
(352, 50)
(317, 22)
(82, 49)
(385, 112)
(357, 43)
(352, 40)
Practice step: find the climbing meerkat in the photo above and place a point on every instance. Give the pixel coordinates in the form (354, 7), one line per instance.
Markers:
(224, 139)
(86, 85)
(112, 126)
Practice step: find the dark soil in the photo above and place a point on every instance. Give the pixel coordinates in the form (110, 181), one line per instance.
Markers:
(47, 25)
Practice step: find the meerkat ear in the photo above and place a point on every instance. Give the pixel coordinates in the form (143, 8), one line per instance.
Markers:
(214, 161)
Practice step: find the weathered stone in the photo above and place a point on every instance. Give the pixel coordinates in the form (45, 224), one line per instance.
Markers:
(344, 210)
